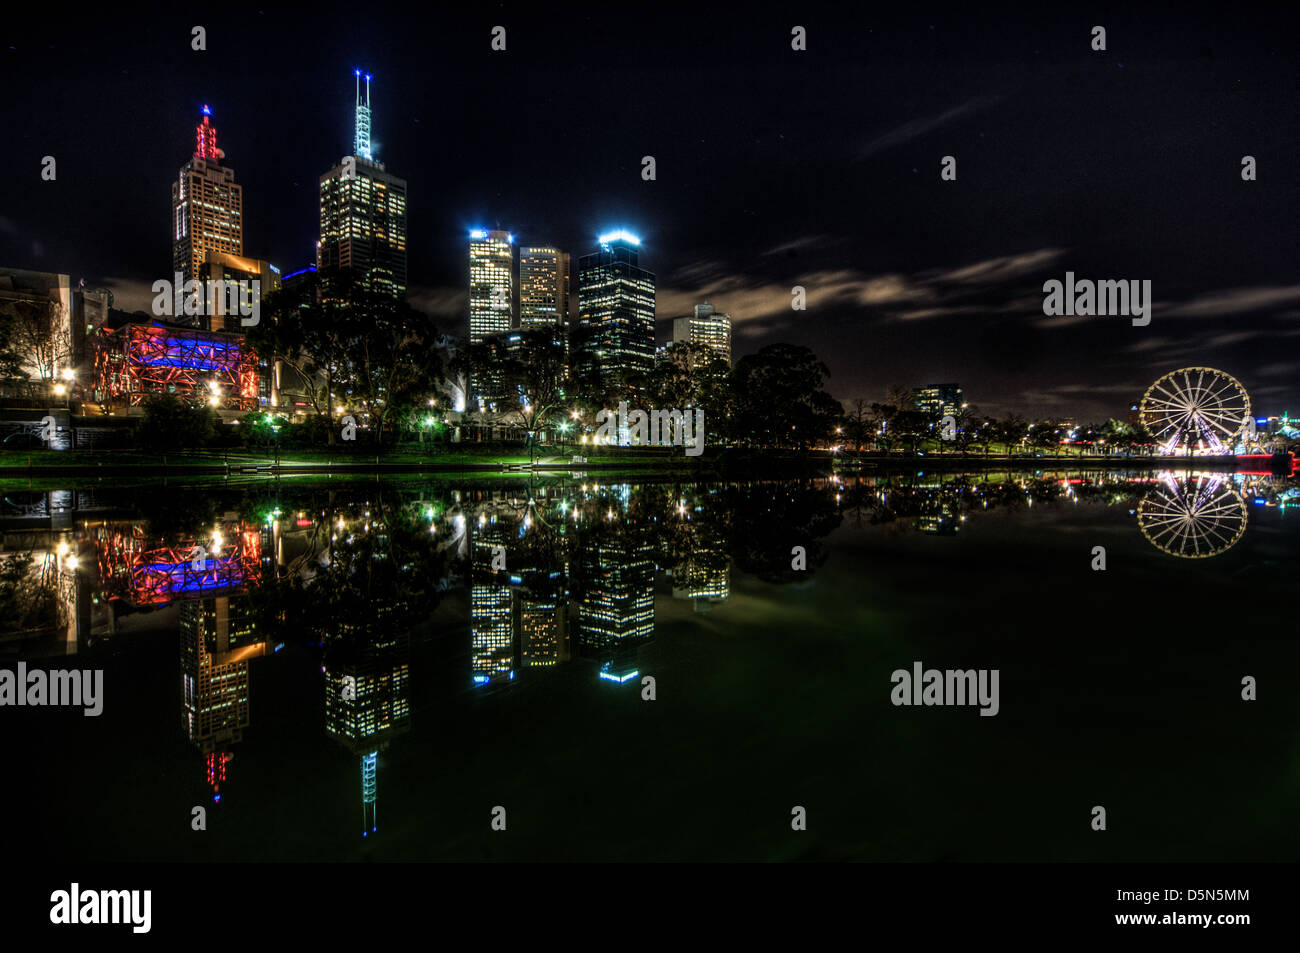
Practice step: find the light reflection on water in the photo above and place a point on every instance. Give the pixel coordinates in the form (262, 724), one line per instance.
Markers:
(530, 580)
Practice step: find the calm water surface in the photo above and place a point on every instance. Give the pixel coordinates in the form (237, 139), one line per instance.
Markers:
(365, 671)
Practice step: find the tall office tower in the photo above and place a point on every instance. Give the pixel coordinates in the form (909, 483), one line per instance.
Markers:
(616, 307)
(363, 213)
(544, 287)
(706, 327)
(937, 400)
(207, 205)
(491, 287)
(491, 301)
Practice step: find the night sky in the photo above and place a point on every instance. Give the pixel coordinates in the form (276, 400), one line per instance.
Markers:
(775, 168)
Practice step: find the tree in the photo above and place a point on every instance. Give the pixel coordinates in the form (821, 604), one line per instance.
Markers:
(395, 361)
(27, 600)
(691, 375)
(350, 346)
(899, 419)
(172, 424)
(1012, 432)
(1141, 438)
(1118, 435)
(310, 336)
(35, 338)
(968, 427)
(779, 398)
(860, 423)
(536, 378)
(1044, 436)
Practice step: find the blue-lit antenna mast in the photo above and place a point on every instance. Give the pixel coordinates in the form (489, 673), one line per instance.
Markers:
(369, 785)
(361, 142)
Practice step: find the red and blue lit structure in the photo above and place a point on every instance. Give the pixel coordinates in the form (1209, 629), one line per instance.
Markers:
(138, 361)
(147, 575)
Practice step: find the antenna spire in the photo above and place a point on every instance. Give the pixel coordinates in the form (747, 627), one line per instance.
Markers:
(205, 138)
(361, 140)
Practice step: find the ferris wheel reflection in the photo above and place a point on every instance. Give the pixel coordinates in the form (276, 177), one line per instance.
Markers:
(1193, 516)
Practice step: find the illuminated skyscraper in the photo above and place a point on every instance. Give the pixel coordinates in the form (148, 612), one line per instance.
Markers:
(207, 205)
(492, 650)
(707, 328)
(491, 288)
(936, 400)
(363, 213)
(491, 299)
(616, 308)
(544, 287)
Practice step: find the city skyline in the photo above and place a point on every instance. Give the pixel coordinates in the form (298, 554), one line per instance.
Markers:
(799, 181)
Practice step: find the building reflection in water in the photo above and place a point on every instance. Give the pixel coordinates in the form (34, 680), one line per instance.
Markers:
(367, 701)
(219, 638)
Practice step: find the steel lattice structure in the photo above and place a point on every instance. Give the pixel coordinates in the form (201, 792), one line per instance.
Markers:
(138, 361)
(1196, 409)
(131, 568)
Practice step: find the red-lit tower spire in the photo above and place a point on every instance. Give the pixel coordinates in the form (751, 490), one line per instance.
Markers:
(205, 135)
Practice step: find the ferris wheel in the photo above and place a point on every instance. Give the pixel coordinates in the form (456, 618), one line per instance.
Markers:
(1195, 409)
(1193, 517)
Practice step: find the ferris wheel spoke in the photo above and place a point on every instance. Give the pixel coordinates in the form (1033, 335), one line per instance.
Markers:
(1217, 422)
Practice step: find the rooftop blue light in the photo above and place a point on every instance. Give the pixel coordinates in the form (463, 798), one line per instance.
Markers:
(477, 233)
(610, 677)
(619, 236)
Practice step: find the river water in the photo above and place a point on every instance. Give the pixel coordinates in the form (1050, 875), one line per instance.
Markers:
(398, 670)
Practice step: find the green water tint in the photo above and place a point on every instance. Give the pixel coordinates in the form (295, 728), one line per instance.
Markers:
(397, 659)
